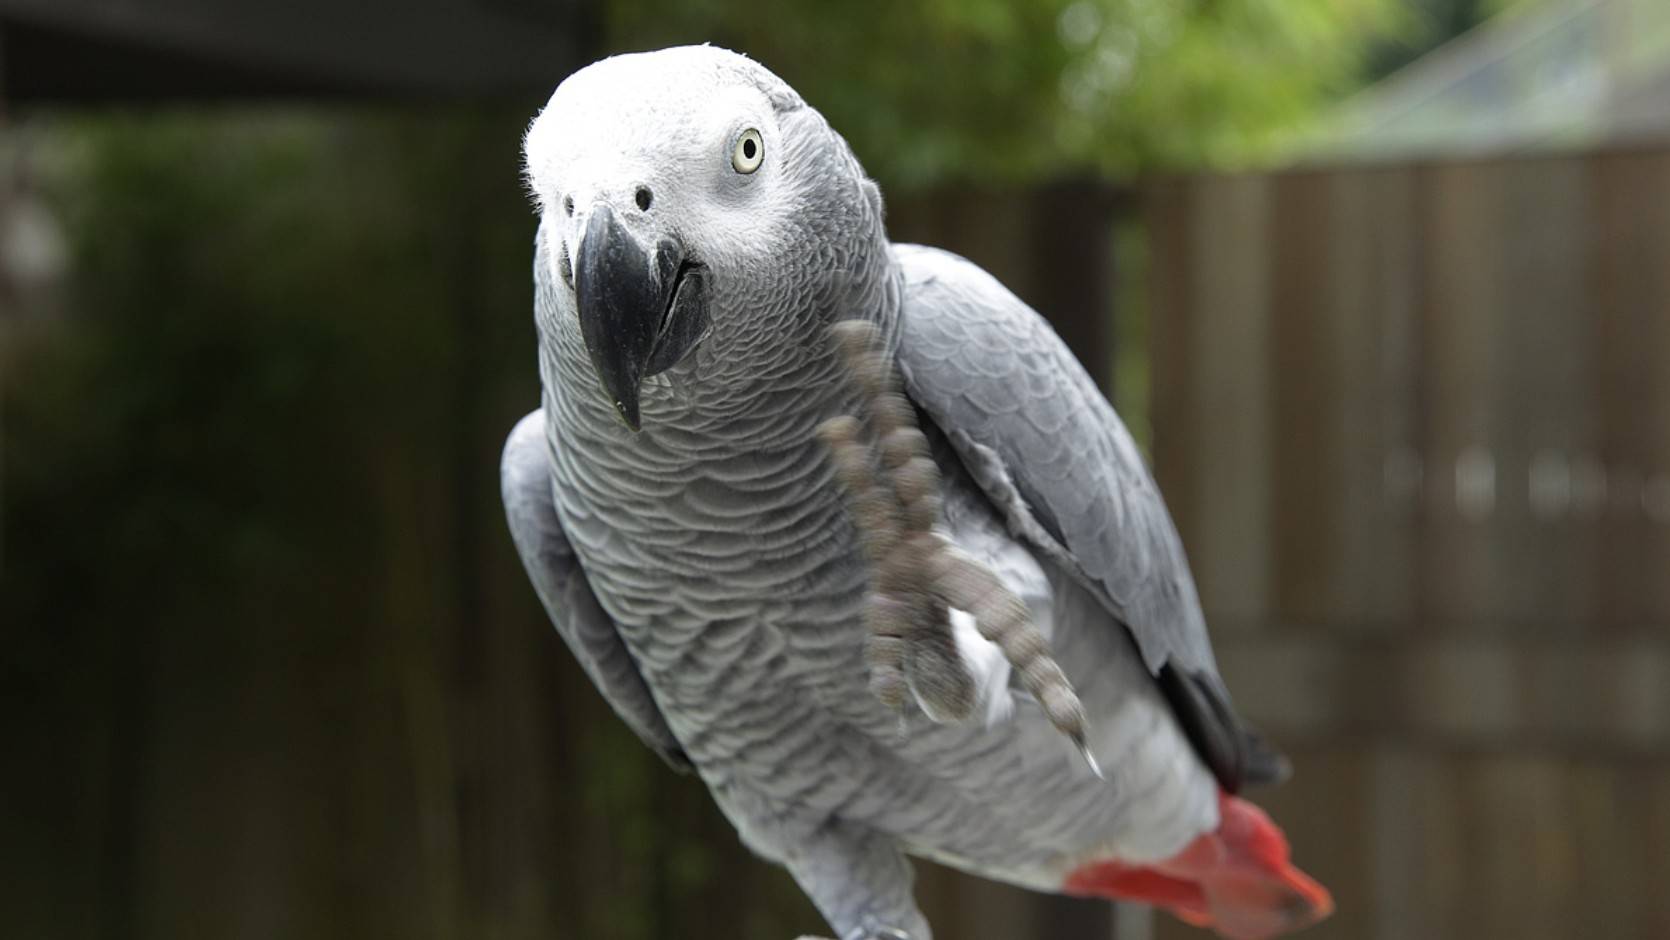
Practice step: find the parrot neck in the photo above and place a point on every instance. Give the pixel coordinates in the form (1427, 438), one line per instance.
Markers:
(761, 389)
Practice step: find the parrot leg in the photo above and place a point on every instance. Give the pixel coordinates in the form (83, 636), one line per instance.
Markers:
(861, 883)
(893, 487)
(895, 501)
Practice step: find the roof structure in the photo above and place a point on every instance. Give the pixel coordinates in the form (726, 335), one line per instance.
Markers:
(1559, 74)
(96, 51)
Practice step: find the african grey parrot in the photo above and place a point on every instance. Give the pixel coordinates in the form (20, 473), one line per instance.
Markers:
(770, 443)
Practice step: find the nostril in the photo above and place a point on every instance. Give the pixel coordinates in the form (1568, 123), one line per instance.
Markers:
(565, 267)
(645, 198)
(568, 205)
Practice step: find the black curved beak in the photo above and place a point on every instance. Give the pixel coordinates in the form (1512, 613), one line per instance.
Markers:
(640, 309)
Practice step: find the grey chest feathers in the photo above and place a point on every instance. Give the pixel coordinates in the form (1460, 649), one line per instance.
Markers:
(729, 577)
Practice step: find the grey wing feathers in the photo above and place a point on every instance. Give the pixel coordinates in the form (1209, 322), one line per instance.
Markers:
(525, 478)
(1044, 444)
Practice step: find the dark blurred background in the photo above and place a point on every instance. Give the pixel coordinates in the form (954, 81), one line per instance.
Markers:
(1382, 286)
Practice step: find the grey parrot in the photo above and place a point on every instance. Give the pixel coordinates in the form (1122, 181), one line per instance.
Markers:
(841, 526)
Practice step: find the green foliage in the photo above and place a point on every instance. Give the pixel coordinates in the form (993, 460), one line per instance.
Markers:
(937, 91)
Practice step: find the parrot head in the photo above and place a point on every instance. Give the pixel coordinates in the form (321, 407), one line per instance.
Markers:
(691, 202)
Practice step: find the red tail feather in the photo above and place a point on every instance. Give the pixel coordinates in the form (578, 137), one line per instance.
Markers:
(1237, 880)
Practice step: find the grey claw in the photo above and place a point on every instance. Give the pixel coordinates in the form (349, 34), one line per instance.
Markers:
(1090, 759)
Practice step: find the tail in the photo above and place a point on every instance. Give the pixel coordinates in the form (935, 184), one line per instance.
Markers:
(1236, 880)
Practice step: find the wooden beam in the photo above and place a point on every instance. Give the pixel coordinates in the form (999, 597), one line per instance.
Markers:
(117, 49)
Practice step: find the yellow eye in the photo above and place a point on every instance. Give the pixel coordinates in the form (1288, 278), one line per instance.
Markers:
(749, 152)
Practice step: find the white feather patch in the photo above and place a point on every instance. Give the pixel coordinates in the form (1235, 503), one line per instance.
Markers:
(987, 664)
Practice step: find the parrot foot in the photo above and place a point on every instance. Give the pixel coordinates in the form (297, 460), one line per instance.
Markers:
(893, 488)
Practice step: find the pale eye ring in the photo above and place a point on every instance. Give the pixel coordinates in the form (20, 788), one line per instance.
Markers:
(749, 152)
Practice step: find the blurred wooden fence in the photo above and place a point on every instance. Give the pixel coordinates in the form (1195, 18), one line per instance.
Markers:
(1414, 424)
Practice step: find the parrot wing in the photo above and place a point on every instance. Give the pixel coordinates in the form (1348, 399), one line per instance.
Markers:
(1041, 441)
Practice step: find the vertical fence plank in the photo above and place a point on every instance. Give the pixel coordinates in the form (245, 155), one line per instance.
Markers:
(1623, 263)
(1305, 379)
(1230, 418)
(1656, 825)
(1629, 238)
(1460, 203)
(1653, 412)
(1393, 468)
(1171, 377)
(1606, 807)
(1543, 415)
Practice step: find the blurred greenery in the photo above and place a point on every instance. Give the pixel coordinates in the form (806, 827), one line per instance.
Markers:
(993, 91)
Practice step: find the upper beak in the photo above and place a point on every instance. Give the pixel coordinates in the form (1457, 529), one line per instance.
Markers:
(624, 293)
